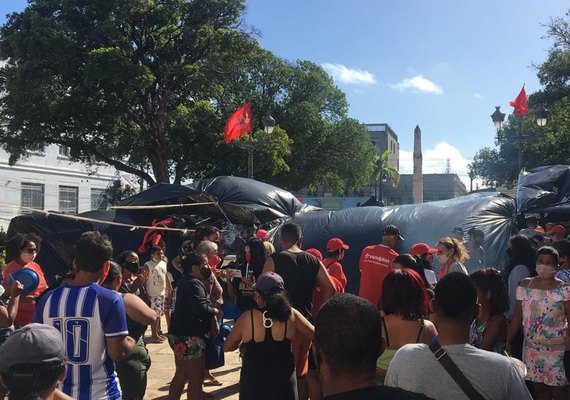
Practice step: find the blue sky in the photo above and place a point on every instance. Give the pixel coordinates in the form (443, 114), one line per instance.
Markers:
(442, 65)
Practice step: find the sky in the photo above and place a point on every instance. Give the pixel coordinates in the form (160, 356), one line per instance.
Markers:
(440, 64)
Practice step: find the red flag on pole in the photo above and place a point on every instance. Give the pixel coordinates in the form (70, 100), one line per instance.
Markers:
(239, 123)
(520, 104)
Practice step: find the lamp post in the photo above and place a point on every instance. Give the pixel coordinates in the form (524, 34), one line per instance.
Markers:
(541, 115)
(268, 126)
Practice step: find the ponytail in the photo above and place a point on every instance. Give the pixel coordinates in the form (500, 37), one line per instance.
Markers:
(276, 305)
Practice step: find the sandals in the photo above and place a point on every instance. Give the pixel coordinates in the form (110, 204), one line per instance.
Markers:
(212, 382)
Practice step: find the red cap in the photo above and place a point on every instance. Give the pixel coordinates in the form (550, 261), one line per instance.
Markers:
(420, 249)
(335, 244)
(316, 253)
(262, 234)
(558, 229)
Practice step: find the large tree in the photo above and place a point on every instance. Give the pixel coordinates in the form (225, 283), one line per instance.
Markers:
(146, 86)
(540, 146)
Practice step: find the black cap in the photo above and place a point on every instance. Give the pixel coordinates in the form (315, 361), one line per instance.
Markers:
(392, 230)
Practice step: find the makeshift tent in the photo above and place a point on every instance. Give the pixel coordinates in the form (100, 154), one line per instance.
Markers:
(544, 190)
(428, 222)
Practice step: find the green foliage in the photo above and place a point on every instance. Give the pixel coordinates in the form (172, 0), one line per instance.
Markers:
(117, 192)
(382, 170)
(147, 85)
(546, 145)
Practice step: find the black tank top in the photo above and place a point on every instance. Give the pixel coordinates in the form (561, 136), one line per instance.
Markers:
(299, 273)
(268, 368)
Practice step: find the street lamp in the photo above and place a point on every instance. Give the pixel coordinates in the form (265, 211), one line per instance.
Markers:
(541, 115)
(268, 126)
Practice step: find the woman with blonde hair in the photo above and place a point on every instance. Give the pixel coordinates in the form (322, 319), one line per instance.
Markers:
(451, 253)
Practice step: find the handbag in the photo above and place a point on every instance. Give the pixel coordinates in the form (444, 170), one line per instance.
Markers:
(441, 355)
(214, 351)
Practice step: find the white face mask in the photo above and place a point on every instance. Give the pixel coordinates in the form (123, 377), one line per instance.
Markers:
(157, 259)
(545, 271)
(27, 257)
(442, 258)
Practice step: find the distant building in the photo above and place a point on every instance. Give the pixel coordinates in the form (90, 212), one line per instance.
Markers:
(47, 180)
(436, 187)
(384, 138)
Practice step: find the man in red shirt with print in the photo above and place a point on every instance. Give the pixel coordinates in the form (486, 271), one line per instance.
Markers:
(376, 262)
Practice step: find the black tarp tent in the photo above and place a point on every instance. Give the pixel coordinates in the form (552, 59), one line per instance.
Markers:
(544, 190)
(428, 222)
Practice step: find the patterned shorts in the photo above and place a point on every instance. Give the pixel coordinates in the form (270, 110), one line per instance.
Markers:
(187, 347)
(157, 304)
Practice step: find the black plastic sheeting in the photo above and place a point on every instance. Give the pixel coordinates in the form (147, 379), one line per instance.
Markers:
(59, 235)
(244, 200)
(544, 190)
(428, 222)
(240, 200)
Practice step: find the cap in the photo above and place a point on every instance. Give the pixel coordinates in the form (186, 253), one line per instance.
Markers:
(316, 253)
(458, 229)
(335, 244)
(419, 249)
(268, 281)
(558, 229)
(262, 234)
(32, 344)
(392, 230)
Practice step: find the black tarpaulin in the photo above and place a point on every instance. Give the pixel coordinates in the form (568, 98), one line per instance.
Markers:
(428, 222)
(544, 190)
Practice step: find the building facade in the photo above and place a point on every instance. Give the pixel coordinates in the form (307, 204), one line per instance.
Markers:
(47, 180)
(384, 138)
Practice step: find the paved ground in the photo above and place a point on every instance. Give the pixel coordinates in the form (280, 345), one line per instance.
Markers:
(162, 371)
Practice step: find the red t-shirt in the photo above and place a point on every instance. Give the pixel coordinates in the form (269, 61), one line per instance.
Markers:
(375, 263)
(335, 270)
(13, 266)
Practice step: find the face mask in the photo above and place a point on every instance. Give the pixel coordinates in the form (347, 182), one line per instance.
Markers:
(132, 267)
(206, 272)
(27, 257)
(510, 252)
(156, 259)
(442, 258)
(214, 261)
(248, 257)
(545, 271)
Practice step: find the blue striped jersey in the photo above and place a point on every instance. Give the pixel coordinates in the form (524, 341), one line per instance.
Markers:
(85, 316)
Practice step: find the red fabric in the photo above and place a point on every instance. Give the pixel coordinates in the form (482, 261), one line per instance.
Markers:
(318, 299)
(335, 270)
(239, 123)
(375, 263)
(13, 266)
(520, 104)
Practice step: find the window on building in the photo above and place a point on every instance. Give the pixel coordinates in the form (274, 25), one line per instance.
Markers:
(68, 199)
(98, 201)
(64, 151)
(31, 196)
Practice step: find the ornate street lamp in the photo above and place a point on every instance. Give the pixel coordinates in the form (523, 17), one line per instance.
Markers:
(498, 118)
(541, 114)
(268, 123)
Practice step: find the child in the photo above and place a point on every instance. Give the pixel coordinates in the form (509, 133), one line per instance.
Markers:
(543, 308)
(489, 330)
(155, 271)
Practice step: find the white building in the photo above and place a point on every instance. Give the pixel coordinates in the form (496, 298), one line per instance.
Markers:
(47, 180)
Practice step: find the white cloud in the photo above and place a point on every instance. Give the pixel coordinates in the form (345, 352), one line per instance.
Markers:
(349, 76)
(478, 96)
(435, 161)
(418, 84)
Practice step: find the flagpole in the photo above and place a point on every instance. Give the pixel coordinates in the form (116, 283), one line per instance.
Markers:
(250, 158)
(520, 145)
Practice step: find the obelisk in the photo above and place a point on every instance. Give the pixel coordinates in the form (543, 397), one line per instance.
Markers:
(418, 179)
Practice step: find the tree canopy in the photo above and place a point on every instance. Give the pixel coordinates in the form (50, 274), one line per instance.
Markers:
(546, 145)
(147, 85)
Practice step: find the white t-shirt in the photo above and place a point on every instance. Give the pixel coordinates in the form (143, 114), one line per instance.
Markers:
(430, 276)
(415, 368)
(156, 282)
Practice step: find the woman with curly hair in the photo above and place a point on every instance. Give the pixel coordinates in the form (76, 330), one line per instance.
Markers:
(451, 254)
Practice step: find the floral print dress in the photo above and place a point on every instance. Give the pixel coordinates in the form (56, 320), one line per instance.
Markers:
(544, 323)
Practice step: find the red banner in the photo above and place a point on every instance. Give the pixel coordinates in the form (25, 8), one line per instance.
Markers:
(520, 104)
(239, 123)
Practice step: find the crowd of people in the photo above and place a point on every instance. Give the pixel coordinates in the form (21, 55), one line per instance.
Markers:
(435, 322)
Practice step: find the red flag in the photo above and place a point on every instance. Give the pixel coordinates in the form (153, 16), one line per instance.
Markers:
(520, 104)
(239, 123)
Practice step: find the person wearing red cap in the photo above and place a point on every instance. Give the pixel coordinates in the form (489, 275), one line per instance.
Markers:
(264, 237)
(425, 254)
(376, 262)
(558, 232)
(335, 249)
